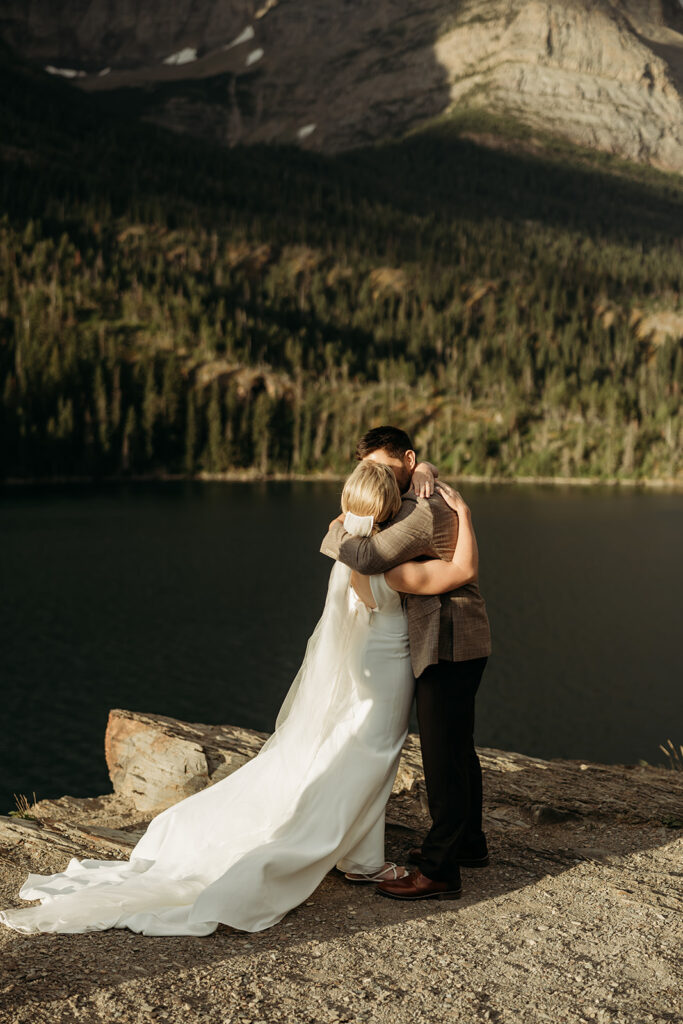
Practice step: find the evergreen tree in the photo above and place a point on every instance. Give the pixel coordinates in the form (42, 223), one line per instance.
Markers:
(190, 433)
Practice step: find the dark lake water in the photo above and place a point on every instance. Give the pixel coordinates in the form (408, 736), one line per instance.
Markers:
(196, 599)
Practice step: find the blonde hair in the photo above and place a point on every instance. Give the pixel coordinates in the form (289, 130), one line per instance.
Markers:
(371, 490)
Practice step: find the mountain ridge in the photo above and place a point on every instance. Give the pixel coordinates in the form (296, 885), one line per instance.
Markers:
(608, 75)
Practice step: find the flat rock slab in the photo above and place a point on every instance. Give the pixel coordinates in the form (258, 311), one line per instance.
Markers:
(76, 840)
(154, 761)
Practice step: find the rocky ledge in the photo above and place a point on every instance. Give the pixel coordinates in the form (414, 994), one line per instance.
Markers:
(575, 919)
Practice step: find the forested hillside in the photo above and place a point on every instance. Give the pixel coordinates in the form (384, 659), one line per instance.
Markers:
(169, 306)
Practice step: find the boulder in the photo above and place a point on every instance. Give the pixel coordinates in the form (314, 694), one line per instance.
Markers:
(154, 761)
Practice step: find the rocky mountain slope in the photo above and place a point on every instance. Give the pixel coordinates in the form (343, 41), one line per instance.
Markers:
(333, 75)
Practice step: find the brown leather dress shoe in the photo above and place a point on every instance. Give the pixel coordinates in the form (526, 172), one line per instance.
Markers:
(417, 886)
(413, 857)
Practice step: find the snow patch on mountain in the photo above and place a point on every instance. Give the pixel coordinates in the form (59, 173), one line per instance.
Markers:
(184, 56)
(243, 37)
(64, 72)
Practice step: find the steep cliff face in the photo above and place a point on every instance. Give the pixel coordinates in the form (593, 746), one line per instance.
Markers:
(603, 74)
(334, 74)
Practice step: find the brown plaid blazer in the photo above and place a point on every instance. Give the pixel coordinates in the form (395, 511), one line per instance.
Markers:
(450, 627)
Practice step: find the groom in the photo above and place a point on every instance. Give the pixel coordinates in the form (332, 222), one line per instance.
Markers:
(450, 642)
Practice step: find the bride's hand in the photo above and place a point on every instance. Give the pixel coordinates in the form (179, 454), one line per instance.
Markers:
(338, 519)
(423, 480)
(453, 499)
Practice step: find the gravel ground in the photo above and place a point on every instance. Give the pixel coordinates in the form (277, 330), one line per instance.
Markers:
(577, 921)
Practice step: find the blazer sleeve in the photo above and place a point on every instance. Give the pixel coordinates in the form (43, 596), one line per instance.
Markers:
(407, 536)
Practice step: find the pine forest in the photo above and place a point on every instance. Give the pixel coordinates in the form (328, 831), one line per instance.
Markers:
(168, 306)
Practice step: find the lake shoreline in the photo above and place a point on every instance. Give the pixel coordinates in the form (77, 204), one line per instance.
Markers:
(253, 476)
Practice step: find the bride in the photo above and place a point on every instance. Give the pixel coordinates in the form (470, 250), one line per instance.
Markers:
(251, 847)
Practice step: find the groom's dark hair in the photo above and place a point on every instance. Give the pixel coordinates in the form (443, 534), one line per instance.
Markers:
(394, 440)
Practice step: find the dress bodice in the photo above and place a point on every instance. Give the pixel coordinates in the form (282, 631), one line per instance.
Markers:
(387, 601)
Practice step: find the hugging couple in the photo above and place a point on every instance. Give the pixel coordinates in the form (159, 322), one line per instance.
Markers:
(403, 619)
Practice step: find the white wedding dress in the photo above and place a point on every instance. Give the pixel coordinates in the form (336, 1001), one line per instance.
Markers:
(256, 844)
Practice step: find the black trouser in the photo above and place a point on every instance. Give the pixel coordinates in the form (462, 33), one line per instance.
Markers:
(445, 695)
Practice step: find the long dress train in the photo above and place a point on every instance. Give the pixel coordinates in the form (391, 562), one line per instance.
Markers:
(256, 844)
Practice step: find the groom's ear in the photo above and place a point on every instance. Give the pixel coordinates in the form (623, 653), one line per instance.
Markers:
(410, 460)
